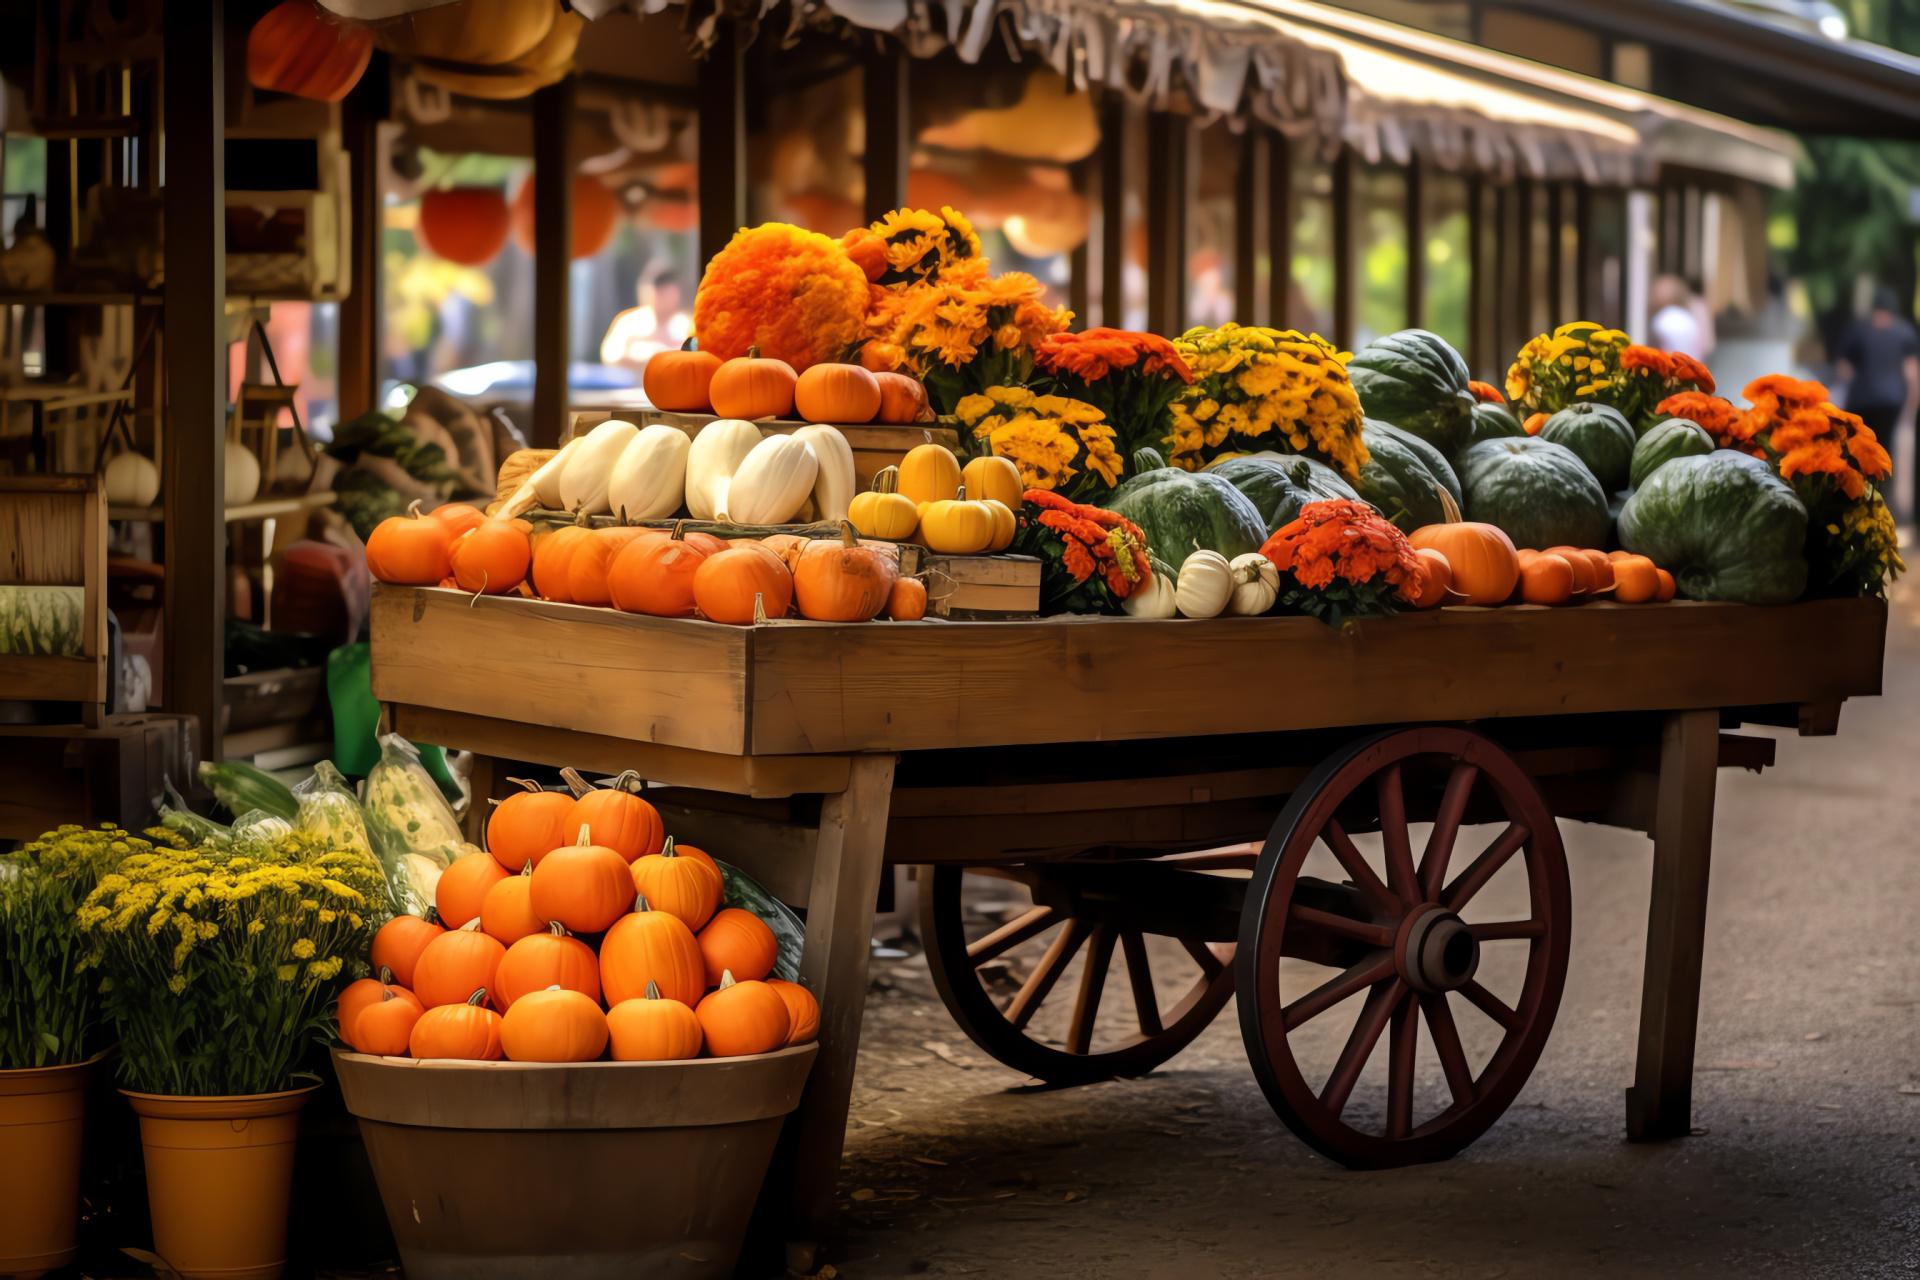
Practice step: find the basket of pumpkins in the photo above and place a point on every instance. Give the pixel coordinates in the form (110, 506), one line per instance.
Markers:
(582, 1065)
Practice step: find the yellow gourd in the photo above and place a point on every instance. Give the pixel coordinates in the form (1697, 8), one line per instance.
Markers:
(1004, 524)
(957, 526)
(883, 512)
(993, 478)
(929, 473)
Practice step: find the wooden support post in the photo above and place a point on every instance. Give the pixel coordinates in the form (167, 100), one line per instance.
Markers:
(1526, 264)
(552, 259)
(1280, 215)
(1556, 260)
(723, 142)
(1167, 190)
(1246, 219)
(1345, 278)
(1585, 265)
(357, 380)
(1659, 1105)
(1080, 257)
(1113, 211)
(1416, 246)
(889, 137)
(194, 482)
(846, 883)
(1478, 346)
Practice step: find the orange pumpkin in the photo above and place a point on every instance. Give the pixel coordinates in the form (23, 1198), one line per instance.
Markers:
(455, 964)
(1668, 587)
(468, 1031)
(655, 576)
(650, 947)
(1583, 571)
(1484, 564)
(1636, 580)
(358, 997)
(552, 556)
(463, 888)
(839, 580)
(1439, 578)
(555, 1025)
(584, 886)
(464, 225)
(413, 550)
(301, 49)
(786, 546)
(529, 825)
(750, 387)
(596, 216)
(903, 400)
(507, 912)
(802, 1008)
(587, 566)
(689, 888)
(653, 1029)
(728, 585)
(742, 1018)
(618, 819)
(552, 958)
(688, 851)
(839, 393)
(492, 558)
(1599, 576)
(907, 601)
(459, 516)
(385, 1026)
(740, 942)
(679, 380)
(397, 947)
(1546, 579)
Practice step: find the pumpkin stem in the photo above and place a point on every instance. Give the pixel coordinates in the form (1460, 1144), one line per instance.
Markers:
(753, 352)
(478, 998)
(485, 574)
(640, 903)
(666, 848)
(653, 989)
(385, 975)
(759, 609)
(554, 987)
(1449, 509)
(679, 533)
(886, 480)
(528, 783)
(691, 344)
(557, 929)
(624, 781)
(586, 837)
(575, 783)
(413, 509)
(471, 926)
(433, 913)
(849, 537)
(960, 494)
(726, 979)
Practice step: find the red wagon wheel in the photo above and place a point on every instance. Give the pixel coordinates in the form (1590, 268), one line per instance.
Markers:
(1078, 913)
(1406, 945)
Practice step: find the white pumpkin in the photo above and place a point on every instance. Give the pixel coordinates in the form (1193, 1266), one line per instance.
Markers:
(542, 488)
(716, 454)
(1154, 598)
(132, 480)
(649, 482)
(1205, 585)
(243, 474)
(583, 485)
(772, 483)
(834, 487)
(1256, 585)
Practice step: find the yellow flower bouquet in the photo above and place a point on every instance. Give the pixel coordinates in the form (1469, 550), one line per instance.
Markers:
(1257, 389)
(49, 1003)
(219, 967)
(1060, 445)
(1583, 361)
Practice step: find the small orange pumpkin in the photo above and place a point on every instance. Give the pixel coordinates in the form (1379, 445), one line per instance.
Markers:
(1636, 580)
(527, 826)
(397, 947)
(653, 1029)
(743, 1017)
(688, 851)
(1547, 579)
(587, 566)
(618, 819)
(584, 886)
(728, 586)
(459, 516)
(413, 550)
(464, 225)
(463, 888)
(455, 964)
(679, 380)
(552, 958)
(647, 948)
(301, 49)
(555, 1025)
(492, 557)
(1439, 578)
(1668, 587)
(840, 580)
(907, 601)
(468, 1031)
(839, 393)
(802, 1008)
(655, 576)
(740, 942)
(596, 213)
(1484, 564)
(750, 387)
(903, 400)
(689, 888)
(386, 1026)
(507, 911)
(359, 996)
(552, 556)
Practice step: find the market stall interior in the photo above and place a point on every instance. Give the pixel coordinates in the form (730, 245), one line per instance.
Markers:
(500, 755)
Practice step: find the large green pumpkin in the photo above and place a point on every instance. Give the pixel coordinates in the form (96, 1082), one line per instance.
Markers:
(1416, 381)
(1675, 438)
(1403, 477)
(1494, 422)
(1538, 492)
(1179, 510)
(1724, 525)
(1279, 484)
(1602, 437)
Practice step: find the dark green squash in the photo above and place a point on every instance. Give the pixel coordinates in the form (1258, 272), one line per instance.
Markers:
(1494, 422)
(1279, 484)
(1675, 438)
(1404, 477)
(1724, 525)
(1602, 437)
(1416, 381)
(1538, 492)
(1147, 458)
(1179, 510)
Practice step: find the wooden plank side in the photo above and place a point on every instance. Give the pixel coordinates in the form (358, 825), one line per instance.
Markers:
(31, 676)
(918, 687)
(676, 682)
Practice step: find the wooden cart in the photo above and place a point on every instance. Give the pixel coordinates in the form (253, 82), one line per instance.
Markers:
(1110, 766)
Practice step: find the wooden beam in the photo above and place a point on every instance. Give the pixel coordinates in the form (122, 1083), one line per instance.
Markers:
(723, 142)
(1556, 261)
(1585, 264)
(196, 359)
(1478, 348)
(889, 133)
(552, 259)
(357, 382)
(1280, 217)
(1246, 218)
(1526, 264)
(1080, 257)
(1345, 278)
(1416, 245)
(1113, 211)
(1168, 136)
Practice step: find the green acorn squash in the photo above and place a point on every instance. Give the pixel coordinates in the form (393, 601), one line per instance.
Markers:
(1279, 484)
(1494, 422)
(1401, 476)
(1179, 510)
(1675, 438)
(1724, 525)
(1416, 381)
(1602, 437)
(1538, 492)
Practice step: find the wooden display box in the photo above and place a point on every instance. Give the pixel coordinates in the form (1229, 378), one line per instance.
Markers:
(66, 773)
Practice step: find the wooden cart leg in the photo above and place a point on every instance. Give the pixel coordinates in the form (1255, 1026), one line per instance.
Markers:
(1659, 1105)
(846, 882)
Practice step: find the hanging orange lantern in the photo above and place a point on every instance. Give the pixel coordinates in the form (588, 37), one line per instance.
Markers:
(596, 212)
(467, 225)
(300, 49)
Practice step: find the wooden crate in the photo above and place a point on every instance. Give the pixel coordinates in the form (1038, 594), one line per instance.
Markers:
(976, 587)
(53, 532)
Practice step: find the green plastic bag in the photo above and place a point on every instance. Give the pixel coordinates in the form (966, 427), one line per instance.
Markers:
(356, 721)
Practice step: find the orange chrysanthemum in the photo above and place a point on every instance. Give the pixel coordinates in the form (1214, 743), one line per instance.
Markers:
(795, 294)
(1095, 353)
(1349, 540)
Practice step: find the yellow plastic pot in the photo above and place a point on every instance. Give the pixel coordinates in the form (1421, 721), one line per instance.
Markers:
(42, 1112)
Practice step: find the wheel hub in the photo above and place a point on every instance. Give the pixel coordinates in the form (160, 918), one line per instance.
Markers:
(1436, 951)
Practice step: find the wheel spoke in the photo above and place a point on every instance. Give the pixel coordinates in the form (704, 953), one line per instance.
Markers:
(1146, 1005)
(1475, 877)
(1400, 1048)
(1026, 1002)
(1356, 865)
(1393, 833)
(1446, 826)
(1488, 1003)
(1374, 935)
(1010, 935)
(1210, 964)
(1501, 929)
(1446, 1042)
(1366, 1034)
(1375, 968)
(1093, 982)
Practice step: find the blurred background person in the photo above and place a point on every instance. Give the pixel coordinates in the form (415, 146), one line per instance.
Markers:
(1682, 321)
(1879, 360)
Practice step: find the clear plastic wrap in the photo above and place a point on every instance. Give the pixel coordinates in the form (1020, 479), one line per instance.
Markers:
(329, 811)
(410, 825)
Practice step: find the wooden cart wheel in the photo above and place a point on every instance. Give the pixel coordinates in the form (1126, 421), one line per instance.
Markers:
(1094, 923)
(1407, 946)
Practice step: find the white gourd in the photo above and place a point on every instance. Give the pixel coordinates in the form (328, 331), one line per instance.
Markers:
(583, 485)
(1205, 585)
(716, 454)
(772, 483)
(542, 488)
(243, 474)
(1256, 585)
(1155, 599)
(834, 487)
(132, 480)
(649, 482)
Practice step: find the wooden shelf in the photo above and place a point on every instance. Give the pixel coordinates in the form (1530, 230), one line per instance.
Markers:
(260, 510)
(80, 299)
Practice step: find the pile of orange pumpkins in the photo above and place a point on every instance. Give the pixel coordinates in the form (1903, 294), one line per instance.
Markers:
(508, 972)
(755, 386)
(1470, 562)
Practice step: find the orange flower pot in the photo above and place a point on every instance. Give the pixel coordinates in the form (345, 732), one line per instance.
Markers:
(42, 1112)
(219, 1177)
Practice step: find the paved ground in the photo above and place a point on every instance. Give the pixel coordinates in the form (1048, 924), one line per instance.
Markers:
(1809, 1090)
